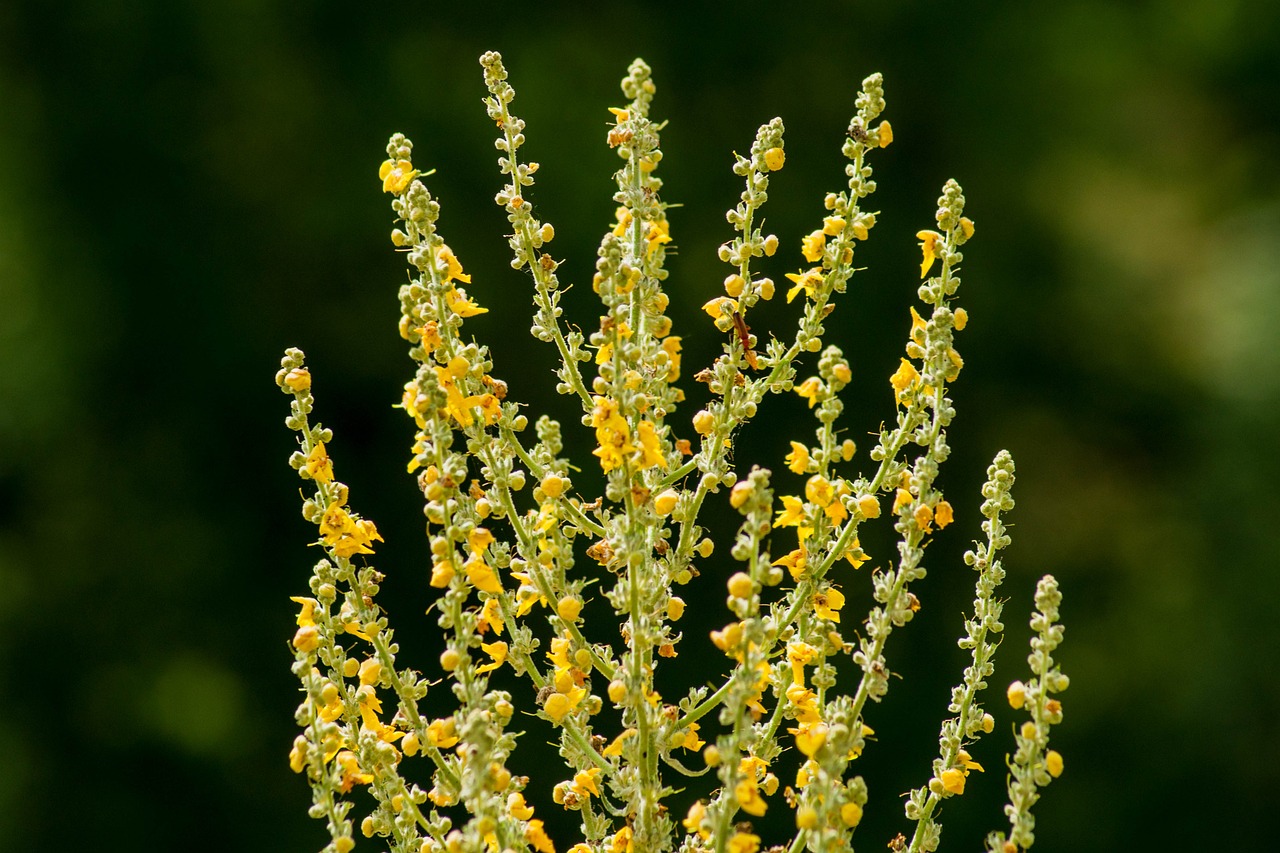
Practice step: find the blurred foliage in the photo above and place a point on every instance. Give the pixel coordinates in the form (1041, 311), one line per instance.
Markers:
(186, 189)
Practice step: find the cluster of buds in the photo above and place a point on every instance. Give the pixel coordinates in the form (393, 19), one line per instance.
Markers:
(524, 563)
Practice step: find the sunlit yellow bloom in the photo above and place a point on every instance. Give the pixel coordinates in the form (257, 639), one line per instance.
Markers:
(497, 651)
(953, 780)
(442, 734)
(396, 175)
(720, 306)
(827, 604)
(819, 490)
(904, 379)
(774, 159)
(851, 814)
(792, 512)
(966, 227)
(621, 841)
(441, 573)
(855, 555)
(306, 616)
(558, 705)
(319, 465)
(928, 245)
(588, 780)
(671, 345)
(810, 389)
(811, 247)
(450, 267)
(650, 446)
(806, 281)
(747, 793)
(743, 842)
(795, 562)
(1017, 695)
(799, 655)
(615, 748)
(692, 821)
(885, 133)
(537, 836)
(805, 703)
(659, 234)
(352, 775)
(482, 576)
(798, 459)
(810, 737)
(1053, 763)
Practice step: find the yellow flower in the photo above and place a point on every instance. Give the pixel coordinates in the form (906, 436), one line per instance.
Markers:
(482, 576)
(490, 617)
(827, 604)
(747, 792)
(587, 780)
(774, 159)
(851, 813)
(810, 737)
(953, 781)
(806, 281)
(720, 306)
(650, 446)
(659, 234)
(1017, 695)
(943, 514)
(517, 807)
(855, 554)
(885, 134)
(810, 389)
(796, 561)
(319, 465)
(811, 247)
(460, 304)
(904, 379)
(799, 655)
(450, 267)
(442, 734)
(306, 616)
(1053, 763)
(744, 842)
(396, 175)
(671, 346)
(441, 573)
(819, 490)
(966, 227)
(692, 821)
(928, 245)
(558, 705)
(798, 459)
(497, 651)
(792, 512)
(537, 836)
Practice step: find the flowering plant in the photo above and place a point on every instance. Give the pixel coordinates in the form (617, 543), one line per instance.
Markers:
(518, 552)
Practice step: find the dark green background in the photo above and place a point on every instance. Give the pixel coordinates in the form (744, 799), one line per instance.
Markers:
(186, 189)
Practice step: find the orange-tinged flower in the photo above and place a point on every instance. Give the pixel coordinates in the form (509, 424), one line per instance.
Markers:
(943, 514)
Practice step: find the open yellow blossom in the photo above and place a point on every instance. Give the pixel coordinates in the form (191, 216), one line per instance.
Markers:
(807, 281)
(462, 305)
(928, 245)
(774, 159)
(812, 247)
(396, 175)
(906, 378)
(650, 446)
(659, 234)
(799, 655)
(810, 389)
(827, 604)
(943, 514)
(792, 512)
(743, 842)
(588, 780)
(517, 807)
(482, 576)
(450, 267)
(497, 651)
(692, 821)
(671, 345)
(953, 780)
(795, 562)
(747, 792)
(319, 465)
(851, 814)
(798, 459)
(537, 836)
(810, 737)
(443, 734)
(558, 705)
(1053, 763)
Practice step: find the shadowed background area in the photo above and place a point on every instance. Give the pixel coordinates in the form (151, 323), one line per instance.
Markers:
(187, 189)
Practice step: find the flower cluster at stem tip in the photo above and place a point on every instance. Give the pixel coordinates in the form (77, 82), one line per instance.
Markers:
(517, 553)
